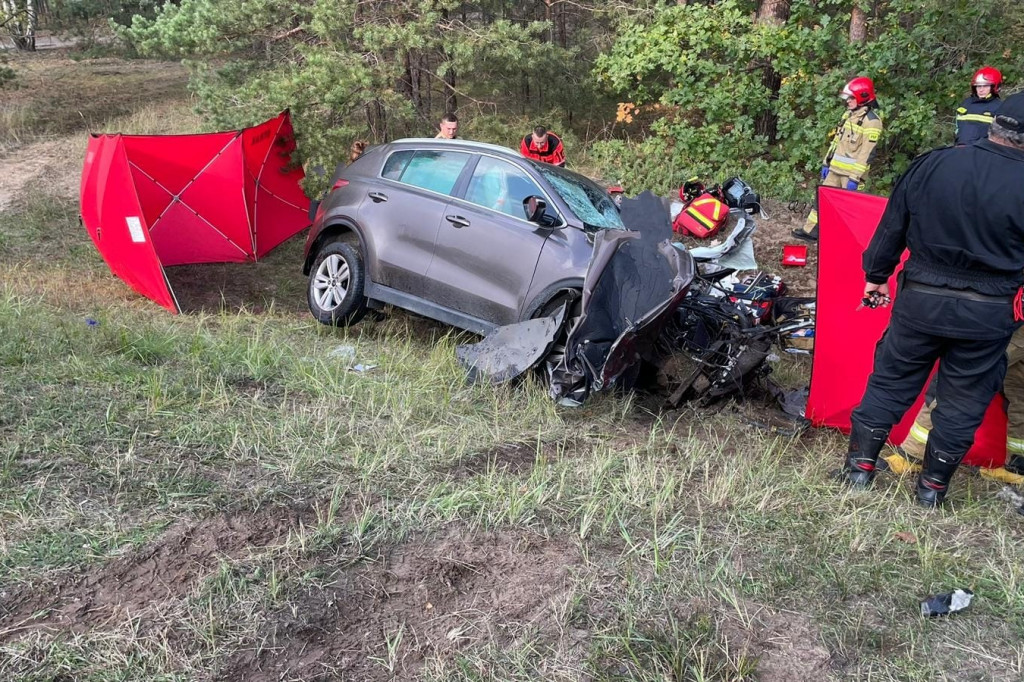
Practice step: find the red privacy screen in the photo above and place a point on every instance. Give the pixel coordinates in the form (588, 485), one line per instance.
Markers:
(845, 338)
(150, 201)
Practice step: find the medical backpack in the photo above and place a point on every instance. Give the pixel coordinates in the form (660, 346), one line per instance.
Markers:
(704, 210)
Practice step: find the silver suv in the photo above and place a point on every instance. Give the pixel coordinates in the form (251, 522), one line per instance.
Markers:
(471, 234)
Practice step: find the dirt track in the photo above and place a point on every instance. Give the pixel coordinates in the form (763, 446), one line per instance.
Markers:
(20, 168)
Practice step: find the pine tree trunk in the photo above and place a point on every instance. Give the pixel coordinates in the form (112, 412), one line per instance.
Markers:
(563, 33)
(858, 24)
(451, 102)
(551, 23)
(772, 13)
(416, 74)
(404, 84)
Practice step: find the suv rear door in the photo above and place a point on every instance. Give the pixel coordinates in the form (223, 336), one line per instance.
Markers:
(403, 212)
(486, 251)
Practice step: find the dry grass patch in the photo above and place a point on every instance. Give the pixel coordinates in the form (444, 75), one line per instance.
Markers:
(54, 95)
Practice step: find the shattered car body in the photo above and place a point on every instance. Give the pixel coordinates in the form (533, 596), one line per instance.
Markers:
(634, 283)
(647, 300)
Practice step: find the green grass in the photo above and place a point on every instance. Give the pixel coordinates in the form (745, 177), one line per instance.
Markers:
(264, 504)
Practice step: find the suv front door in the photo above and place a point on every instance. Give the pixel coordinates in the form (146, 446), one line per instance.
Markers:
(486, 251)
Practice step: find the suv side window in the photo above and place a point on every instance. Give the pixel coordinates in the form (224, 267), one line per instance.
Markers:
(501, 186)
(395, 165)
(437, 171)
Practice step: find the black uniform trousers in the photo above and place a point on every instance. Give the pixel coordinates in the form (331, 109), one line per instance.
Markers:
(970, 374)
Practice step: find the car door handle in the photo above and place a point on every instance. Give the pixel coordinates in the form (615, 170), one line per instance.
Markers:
(378, 197)
(457, 220)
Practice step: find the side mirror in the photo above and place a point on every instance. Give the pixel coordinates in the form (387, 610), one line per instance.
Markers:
(535, 207)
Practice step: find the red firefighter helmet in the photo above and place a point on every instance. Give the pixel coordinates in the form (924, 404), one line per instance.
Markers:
(861, 89)
(987, 75)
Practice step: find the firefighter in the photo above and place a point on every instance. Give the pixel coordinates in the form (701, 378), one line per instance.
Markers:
(543, 145)
(910, 453)
(853, 147)
(975, 113)
(960, 213)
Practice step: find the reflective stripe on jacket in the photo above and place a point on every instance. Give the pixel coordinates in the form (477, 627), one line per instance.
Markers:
(973, 117)
(853, 143)
(551, 152)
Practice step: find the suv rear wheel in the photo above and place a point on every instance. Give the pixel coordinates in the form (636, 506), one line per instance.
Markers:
(336, 281)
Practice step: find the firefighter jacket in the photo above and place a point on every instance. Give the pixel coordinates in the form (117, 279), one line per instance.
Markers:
(973, 118)
(853, 143)
(550, 152)
(960, 213)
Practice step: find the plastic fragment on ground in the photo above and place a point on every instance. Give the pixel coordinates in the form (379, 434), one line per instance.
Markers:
(946, 603)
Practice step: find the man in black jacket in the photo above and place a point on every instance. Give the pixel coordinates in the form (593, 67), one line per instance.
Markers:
(960, 213)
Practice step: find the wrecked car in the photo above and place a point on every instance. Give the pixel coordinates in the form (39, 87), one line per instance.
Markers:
(467, 233)
(635, 282)
(649, 302)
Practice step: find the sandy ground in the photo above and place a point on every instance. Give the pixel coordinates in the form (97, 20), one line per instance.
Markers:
(19, 168)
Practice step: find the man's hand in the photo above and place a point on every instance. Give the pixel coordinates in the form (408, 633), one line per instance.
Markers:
(824, 172)
(852, 185)
(875, 296)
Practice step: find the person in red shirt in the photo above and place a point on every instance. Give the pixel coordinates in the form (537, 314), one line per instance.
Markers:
(542, 145)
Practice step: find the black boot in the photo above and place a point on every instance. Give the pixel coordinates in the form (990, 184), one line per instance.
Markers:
(933, 483)
(865, 444)
(1015, 464)
(811, 236)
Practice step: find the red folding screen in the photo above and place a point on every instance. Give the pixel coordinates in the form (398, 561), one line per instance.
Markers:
(150, 201)
(845, 338)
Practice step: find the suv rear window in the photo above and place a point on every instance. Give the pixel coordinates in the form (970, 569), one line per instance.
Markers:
(437, 171)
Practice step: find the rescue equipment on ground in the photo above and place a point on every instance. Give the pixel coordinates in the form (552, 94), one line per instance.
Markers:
(794, 255)
(757, 293)
(738, 194)
(704, 210)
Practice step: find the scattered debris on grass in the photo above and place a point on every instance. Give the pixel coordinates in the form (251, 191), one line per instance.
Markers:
(946, 603)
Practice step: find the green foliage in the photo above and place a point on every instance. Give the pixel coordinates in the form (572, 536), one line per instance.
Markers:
(700, 73)
(346, 69)
(704, 64)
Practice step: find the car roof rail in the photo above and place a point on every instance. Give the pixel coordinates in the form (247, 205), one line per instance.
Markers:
(468, 143)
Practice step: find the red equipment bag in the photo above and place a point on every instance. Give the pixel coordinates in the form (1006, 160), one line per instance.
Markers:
(702, 217)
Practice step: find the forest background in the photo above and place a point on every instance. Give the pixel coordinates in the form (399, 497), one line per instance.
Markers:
(644, 93)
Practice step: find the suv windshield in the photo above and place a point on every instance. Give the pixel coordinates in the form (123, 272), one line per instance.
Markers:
(588, 201)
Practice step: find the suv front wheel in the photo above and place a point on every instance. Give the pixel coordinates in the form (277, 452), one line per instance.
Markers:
(336, 281)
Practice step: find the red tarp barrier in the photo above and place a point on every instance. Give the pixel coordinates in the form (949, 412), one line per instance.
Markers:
(845, 338)
(150, 201)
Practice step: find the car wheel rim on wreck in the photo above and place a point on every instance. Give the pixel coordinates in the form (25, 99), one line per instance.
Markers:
(336, 285)
(331, 282)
